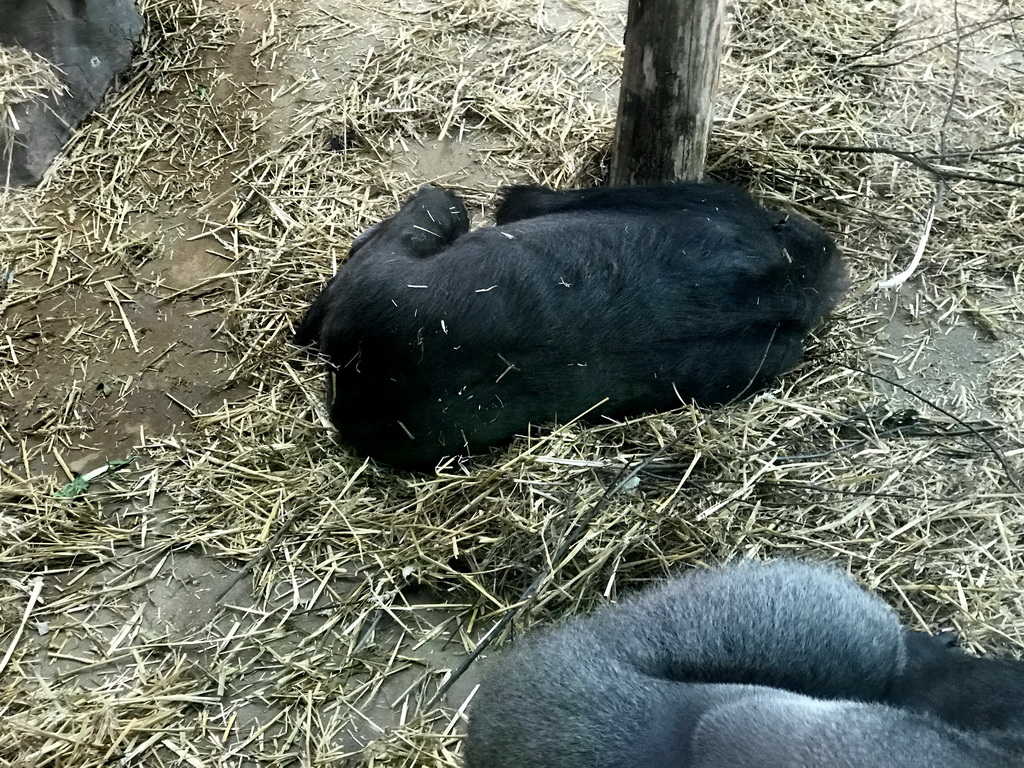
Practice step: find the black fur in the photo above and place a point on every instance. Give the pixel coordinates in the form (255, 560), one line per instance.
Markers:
(766, 665)
(971, 693)
(445, 341)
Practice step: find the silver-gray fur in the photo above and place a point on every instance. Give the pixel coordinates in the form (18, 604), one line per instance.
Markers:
(775, 665)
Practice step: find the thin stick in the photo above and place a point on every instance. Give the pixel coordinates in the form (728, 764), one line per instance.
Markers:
(124, 317)
(33, 597)
(262, 554)
(913, 158)
(1010, 472)
(902, 277)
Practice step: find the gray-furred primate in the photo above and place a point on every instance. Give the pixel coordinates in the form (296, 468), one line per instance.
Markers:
(445, 341)
(758, 665)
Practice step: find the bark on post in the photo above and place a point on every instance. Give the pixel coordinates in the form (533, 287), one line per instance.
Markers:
(669, 78)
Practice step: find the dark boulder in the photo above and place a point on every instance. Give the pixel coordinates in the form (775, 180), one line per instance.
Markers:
(90, 42)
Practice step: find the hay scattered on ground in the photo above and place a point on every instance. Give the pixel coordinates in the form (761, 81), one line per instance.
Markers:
(223, 185)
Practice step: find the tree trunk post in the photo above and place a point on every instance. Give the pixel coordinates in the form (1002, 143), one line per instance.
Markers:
(669, 79)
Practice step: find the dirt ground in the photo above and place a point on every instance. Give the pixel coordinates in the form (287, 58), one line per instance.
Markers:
(246, 592)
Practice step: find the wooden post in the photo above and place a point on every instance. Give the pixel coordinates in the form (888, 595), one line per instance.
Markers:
(669, 78)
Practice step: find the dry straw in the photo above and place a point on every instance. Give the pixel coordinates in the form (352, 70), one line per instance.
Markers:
(365, 588)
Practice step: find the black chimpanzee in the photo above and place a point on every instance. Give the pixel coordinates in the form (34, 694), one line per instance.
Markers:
(610, 301)
(760, 665)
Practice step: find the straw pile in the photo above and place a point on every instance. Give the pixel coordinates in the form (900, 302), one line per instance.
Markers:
(270, 137)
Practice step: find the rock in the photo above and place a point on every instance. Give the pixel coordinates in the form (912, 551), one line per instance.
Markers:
(90, 42)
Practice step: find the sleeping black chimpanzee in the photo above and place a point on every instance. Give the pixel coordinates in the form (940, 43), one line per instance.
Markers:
(760, 665)
(445, 341)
